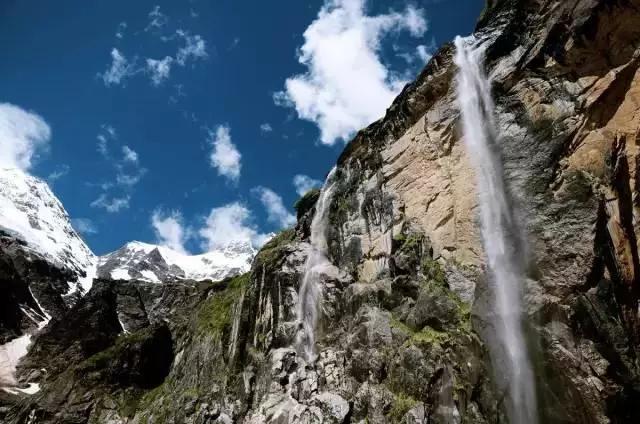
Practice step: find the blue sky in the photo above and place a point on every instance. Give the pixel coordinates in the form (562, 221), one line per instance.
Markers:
(186, 122)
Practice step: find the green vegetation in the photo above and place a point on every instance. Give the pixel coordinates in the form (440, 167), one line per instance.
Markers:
(432, 271)
(215, 314)
(402, 404)
(102, 359)
(273, 251)
(305, 203)
(128, 404)
(431, 337)
(427, 335)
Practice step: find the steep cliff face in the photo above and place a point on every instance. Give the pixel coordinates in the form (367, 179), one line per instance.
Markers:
(404, 312)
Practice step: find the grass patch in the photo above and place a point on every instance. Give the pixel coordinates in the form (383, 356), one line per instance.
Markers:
(432, 271)
(272, 252)
(402, 404)
(215, 314)
(429, 336)
(102, 359)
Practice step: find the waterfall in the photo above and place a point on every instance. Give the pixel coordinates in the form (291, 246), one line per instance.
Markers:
(316, 264)
(501, 234)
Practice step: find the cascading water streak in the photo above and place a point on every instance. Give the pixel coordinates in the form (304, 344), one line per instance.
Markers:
(309, 295)
(500, 232)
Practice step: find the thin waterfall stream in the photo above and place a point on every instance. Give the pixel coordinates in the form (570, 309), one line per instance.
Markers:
(310, 292)
(501, 233)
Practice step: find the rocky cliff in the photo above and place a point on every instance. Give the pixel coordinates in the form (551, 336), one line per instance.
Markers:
(404, 314)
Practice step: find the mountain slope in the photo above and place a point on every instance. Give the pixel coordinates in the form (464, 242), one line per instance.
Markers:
(148, 262)
(30, 212)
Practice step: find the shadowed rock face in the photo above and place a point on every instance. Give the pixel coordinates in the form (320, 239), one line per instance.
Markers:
(405, 311)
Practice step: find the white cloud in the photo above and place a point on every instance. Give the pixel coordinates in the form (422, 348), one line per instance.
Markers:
(129, 180)
(84, 225)
(106, 133)
(159, 69)
(157, 19)
(122, 26)
(109, 129)
(119, 70)
(129, 154)
(194, 47)
(346, 85)
(277, 213)
(414, 21)
(266, 128)
(170, 230)
(304, 183)
(111, 205)
(116, 194)
(225, 157)
(59, 172)
(228, 224)
(424, 53)
(22, 136)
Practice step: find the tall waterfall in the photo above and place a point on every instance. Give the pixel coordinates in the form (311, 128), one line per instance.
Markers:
(317, 263)
(500, 232)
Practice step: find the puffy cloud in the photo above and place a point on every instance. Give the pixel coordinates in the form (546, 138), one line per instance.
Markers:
(266, 128)
(119, 70)
(170, 230)
(111, 205)
(304, 183)
(84, 226)
(22, 136)
(277, 213)
(413, 19)
(228, 224)
(225, 157)
(346, 85)
(159, 69)
(129, 154)
(194, 47)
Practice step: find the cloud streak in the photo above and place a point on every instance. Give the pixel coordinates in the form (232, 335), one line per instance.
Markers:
(277, 213)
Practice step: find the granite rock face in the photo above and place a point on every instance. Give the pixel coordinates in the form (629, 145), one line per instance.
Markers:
(403, 329)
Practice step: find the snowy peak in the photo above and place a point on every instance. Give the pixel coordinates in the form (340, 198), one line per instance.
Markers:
(149, 262)
(30, 212)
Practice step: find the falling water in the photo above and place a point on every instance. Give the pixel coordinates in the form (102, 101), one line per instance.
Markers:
(500, 233)
(316, 265)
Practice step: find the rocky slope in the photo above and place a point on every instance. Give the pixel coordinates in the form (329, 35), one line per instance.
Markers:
(44, 265)
(404, 318)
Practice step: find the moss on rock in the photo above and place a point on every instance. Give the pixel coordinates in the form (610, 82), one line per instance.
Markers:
(215, 314)
(402, 403)
(307, 202)
(272, 252)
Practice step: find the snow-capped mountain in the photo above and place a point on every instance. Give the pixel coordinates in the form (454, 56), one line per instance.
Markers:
(149, 262)
(31, 213)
